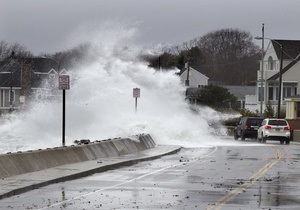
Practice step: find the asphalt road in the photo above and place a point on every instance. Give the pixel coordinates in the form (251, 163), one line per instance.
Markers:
(246, 175)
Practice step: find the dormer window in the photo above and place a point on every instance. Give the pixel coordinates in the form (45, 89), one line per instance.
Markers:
(270, 63)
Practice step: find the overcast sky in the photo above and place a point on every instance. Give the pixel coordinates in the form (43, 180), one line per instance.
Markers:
(47, 26)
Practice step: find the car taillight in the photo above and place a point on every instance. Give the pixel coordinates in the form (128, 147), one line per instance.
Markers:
(267, 127)
(246, 127)
(287, 128)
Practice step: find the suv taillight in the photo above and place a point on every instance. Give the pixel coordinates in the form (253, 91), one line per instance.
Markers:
(246, 127)
(267, 127)
(287, 128)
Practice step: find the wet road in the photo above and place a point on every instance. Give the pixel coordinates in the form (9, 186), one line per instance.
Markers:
(245, 175)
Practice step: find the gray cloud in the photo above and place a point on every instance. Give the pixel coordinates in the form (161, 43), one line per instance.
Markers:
(47, 25)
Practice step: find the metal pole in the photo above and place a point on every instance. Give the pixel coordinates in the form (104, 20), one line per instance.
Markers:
(11, 89)
(262, 92)
(187, 82)
(63, 112)
(135, 104)
(11, 82)
(63, 116)
(280, 80)
(159, 64)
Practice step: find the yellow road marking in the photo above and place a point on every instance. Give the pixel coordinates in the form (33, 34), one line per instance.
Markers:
(250, 181)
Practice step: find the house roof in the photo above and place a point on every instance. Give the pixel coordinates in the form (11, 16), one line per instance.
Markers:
(8, 76)
(193, 92)
(10, 70)
(199, 72)
(294, 96)
(291, 50)
(201, 69)
(241, 91)
(43, 65)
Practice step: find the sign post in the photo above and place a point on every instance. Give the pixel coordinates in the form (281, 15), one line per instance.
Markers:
(136, 94)
(64, 84)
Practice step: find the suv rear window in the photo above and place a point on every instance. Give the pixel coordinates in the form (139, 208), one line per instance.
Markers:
(277, 122)
(256, 122)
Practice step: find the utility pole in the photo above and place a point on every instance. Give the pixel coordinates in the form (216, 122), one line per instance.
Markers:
(262, 90)
(280, 81)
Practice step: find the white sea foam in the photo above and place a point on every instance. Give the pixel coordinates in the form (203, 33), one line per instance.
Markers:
(100, 105)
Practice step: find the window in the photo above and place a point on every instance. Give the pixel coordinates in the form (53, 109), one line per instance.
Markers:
(12, 95)
(270, 63)
(278, 122)
(260, 95)
(271, 96)
(298, 109)
(254, 122)
(287, 91)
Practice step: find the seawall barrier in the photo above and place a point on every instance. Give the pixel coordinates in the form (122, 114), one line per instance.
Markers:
(12, 164)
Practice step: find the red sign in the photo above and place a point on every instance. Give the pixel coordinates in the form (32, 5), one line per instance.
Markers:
(64, 82)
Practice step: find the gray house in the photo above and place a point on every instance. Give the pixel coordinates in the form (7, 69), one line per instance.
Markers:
(241, 92)
(22, 79)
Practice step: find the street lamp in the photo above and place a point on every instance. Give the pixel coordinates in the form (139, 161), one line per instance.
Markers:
(280, 78)
(280, 70)
(262, 92)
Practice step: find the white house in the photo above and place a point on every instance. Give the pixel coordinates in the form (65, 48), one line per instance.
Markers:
(193, 81)
(193, 78)
(271, 66)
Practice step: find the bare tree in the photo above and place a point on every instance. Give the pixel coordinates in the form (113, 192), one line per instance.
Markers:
(18, 49)
(4, 51)
(231, 55)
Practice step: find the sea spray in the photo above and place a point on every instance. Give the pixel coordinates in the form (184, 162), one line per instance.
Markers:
(100, 105)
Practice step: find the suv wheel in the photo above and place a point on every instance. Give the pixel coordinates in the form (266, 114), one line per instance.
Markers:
(236, 137)
(287, 141)
(264, 139)
(242, 137)
(258, 139)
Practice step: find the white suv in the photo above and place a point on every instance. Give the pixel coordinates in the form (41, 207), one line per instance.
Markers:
(274, 129)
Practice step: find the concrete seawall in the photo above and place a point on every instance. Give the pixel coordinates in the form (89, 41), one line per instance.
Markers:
(30, 161)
